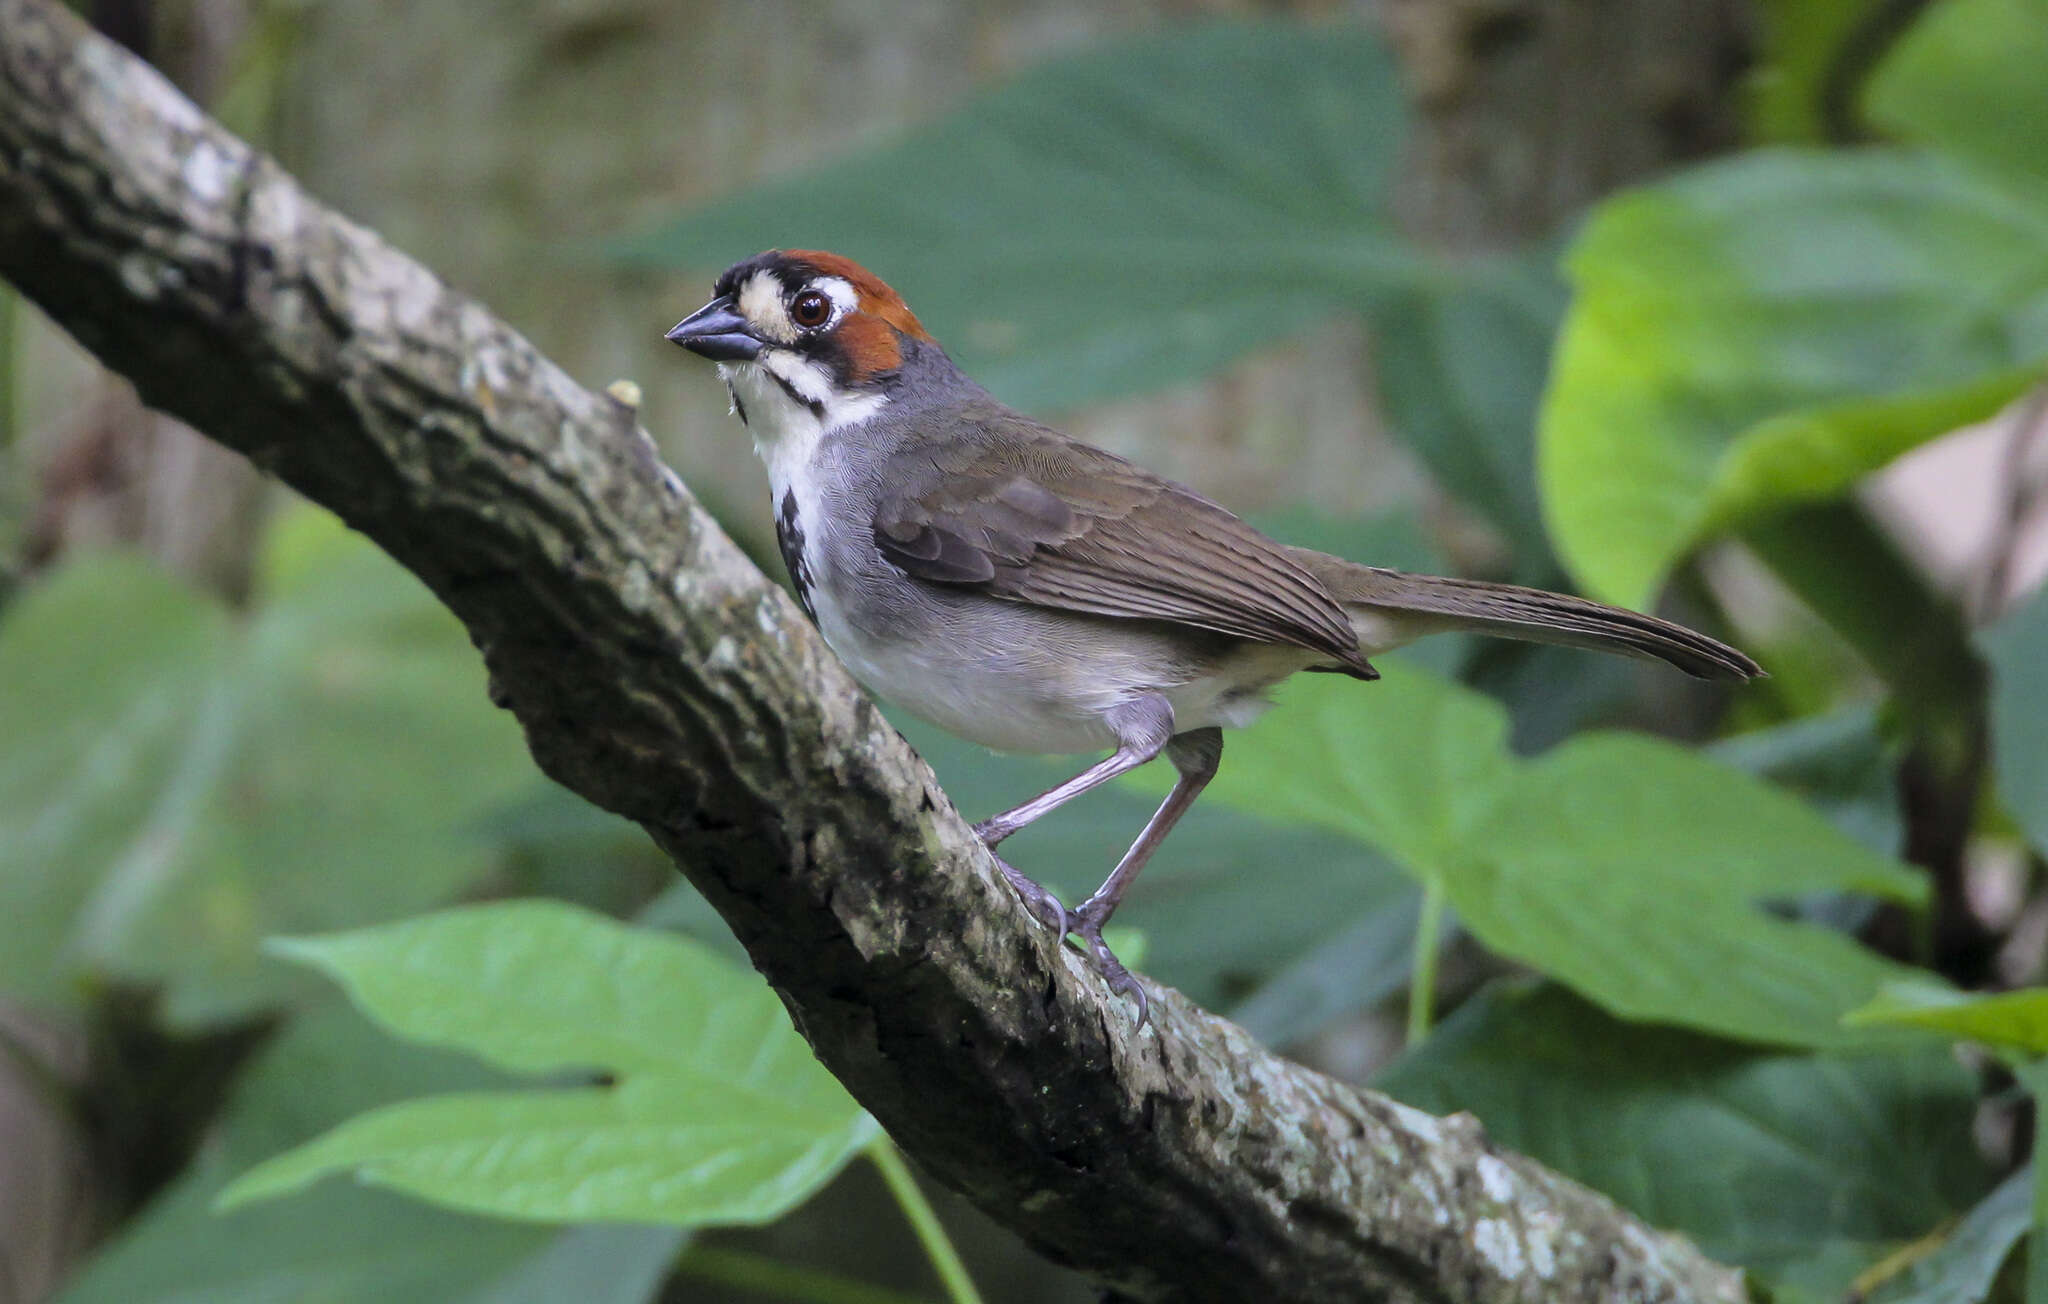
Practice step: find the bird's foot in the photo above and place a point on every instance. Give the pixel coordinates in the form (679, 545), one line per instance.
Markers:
(1039, 901)
(1087, 923)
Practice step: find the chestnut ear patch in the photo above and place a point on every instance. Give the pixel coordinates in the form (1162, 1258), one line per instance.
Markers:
(868, 344)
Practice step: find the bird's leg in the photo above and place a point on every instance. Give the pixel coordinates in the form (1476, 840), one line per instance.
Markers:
(1195, 754)
(1143, 728)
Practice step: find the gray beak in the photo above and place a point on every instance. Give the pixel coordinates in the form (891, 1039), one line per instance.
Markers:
(715, 331)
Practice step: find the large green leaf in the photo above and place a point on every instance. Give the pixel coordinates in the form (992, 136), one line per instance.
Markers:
(1462, 355)
(1636, 871)
(341, 1243)
(116, 728)
(717, 1113)
(1111, 222)
(1967, 79)
(1757, 333)
(177, 785)
(1964, 1268)
(1761, 1157)
(2018, 651)
(2013, 1021)
(1839, 762)
(1799, 42)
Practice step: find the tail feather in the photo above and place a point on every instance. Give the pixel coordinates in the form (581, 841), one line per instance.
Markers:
(1390, 607)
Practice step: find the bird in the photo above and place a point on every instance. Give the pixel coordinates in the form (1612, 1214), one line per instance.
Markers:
(1029, 592)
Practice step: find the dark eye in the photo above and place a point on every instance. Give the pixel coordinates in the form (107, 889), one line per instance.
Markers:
(810, 308)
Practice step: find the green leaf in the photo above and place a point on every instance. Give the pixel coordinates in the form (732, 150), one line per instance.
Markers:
(1966, 1265)
(2018, 651)
(177, 786)
(1758, 1156)
(1461, 357)
(1633, 870)
(339, 1243)
(1837, 762)
(1967, 79)
(1800, 41)
(2015, 1021)
(1756, 333)
(1116, 221)
(719, 1113)
(115, 728)
(1408, 764)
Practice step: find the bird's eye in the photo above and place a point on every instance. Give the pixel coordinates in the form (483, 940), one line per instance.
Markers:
(810, 308)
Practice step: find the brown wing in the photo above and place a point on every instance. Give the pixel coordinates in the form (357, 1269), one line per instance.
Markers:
(1025, 514)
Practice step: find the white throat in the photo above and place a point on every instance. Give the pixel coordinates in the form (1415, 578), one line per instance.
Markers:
(790, 405)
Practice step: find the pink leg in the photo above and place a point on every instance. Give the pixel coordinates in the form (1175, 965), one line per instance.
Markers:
(1195, 754)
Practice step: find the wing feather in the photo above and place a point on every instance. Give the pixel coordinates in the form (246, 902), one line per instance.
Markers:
(1025, 515)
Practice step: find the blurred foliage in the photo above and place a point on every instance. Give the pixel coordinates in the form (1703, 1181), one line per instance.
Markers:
(182, 782)
(347, 1242)
(1734, 1028)
(1765, 1158)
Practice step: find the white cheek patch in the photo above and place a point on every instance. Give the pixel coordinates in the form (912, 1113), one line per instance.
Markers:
(760, 302)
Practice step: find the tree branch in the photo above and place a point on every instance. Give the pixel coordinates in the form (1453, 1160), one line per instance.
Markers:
(660, 675)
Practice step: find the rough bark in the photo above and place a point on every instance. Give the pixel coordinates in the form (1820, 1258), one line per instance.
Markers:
(656, 672)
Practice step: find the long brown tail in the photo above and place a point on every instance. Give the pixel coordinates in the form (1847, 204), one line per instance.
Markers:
(1390, 607)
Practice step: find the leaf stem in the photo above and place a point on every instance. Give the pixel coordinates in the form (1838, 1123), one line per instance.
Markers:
(1428, 941)
(924, 1221)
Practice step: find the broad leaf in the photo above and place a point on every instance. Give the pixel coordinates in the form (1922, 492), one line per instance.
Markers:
(1966, 1265)
(177, 785)
(341, 1243)
(1967, 79)
(1115, 221)
(1637, 872)
(1757, 333)
(1408, 764)
(2018, 651)
(591, 1265)
(718, 1113)
(1759, 1157)
(2011, 1021)
(1462, 356)
(1799, 41)
(1838, 762)
(1642, 874)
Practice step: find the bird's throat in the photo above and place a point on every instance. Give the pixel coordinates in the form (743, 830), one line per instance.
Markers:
(790, 405)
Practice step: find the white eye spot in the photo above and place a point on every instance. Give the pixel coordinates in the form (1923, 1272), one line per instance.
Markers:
(838, 289)
(760, 302)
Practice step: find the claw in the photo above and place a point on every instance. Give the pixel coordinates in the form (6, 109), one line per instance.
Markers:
(1088, 925)
(1039, 901)
(1086, 922)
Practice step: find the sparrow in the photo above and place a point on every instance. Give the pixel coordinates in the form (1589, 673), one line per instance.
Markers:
(1031, 593)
